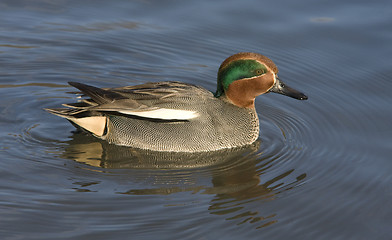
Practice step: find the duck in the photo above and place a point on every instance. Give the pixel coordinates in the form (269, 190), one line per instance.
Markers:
(172, 116)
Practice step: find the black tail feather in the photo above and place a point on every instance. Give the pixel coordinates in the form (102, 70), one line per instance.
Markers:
(99, 95)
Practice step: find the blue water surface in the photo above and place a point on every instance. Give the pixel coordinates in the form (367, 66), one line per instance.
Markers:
(321, 168)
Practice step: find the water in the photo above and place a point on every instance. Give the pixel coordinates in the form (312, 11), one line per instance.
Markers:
(321, 169)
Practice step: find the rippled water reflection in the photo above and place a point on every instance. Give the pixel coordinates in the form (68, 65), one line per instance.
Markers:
(320, 170)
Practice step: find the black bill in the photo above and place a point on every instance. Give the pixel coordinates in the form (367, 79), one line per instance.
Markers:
(282, 88)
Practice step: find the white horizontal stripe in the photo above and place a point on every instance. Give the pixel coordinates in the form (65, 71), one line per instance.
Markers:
(163, 113)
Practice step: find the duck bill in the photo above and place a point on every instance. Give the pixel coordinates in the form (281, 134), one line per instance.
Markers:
(281, 88)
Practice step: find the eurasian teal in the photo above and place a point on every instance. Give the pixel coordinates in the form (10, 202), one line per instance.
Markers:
(181, 117)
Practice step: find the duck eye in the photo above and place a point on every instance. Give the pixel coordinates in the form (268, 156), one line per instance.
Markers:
(259, 71)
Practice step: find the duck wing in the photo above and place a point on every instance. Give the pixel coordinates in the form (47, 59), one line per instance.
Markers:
(158, 100)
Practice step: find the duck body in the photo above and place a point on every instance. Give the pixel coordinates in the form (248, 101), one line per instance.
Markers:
(165, 116)
(175, 116)
(213, 124)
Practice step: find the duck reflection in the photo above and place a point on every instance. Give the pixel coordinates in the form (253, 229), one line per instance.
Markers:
(235, 175)
(85, 149)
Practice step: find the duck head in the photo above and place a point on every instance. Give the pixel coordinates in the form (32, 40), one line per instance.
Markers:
(244, 76)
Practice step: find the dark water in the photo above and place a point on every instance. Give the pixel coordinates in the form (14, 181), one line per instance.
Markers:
(321, 169)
